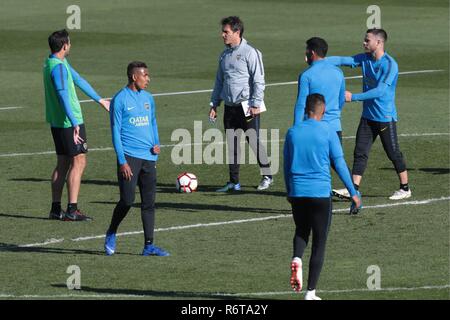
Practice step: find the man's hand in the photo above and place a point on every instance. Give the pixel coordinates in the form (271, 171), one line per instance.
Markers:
(105, 104)
(348, 96)
(254, 111)
(156, 149)
(126, 172)
(213, 114)
(76, 135)
(356, 204)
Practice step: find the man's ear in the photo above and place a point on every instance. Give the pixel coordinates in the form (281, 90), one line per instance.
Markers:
(134, 77)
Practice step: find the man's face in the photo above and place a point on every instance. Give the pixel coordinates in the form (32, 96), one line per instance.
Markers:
(141, 78)
(308, 56)
(371, 43)
(67, 48)
(229, 36)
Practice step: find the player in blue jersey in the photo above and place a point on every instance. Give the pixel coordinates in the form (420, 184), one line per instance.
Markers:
(379, 116)
(136, 142)
(309, 148)
(324, 78)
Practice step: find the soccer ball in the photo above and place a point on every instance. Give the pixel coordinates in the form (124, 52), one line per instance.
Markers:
(186, 182)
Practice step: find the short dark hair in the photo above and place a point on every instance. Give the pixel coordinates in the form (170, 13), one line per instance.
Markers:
(57, 40)
(235, 24)
(378, 32)
(134, 65)
(319, 45)
(313, 101)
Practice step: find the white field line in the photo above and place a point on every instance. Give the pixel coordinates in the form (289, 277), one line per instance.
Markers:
(10, 155)
(336, 291)
(269, 85)
(213, 224)
(10, 108)
(218, 294)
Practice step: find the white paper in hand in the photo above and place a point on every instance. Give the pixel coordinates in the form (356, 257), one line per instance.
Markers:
(246, 107)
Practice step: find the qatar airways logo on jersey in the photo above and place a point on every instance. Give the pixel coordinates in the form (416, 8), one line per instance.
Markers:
(139, 121)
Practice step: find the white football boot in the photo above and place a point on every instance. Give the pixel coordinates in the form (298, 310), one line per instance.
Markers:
(401, 194)
(311, 295)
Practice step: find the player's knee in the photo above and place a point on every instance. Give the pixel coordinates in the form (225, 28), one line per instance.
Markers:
(79, 161)
(126, 203)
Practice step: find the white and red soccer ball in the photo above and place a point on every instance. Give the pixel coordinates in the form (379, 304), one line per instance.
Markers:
(186, 182)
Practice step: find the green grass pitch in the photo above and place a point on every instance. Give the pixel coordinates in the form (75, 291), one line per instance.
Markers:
(180, 41)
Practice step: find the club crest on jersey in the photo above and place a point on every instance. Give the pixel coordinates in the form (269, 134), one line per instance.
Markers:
(238, 57)
(147, 106)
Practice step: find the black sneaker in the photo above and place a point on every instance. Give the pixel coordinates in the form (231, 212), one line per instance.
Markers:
(76, 216)
(56, 215)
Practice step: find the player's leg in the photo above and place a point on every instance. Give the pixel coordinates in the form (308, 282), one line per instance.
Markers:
(59, 174)
(252, 126)
(365, 136)
(300, 208)
(389, 139)
(77, 154)
(127, 194)
(77, 166)
(232, 132)
(320, 215)
(147, 189)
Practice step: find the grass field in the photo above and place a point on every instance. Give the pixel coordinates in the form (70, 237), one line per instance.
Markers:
(180, 41)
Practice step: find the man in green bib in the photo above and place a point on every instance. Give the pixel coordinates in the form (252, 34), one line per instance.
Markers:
(63, 113)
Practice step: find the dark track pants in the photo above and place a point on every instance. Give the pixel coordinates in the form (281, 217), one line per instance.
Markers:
(311, 214)
(365, 137)
(234, 119)
(144, 175)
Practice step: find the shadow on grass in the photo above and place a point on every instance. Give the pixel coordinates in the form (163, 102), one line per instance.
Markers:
(135, 293)
(196, 207)
(166, 187)
(83, 181)
(426, 170)
(15, 248)
(19, 216)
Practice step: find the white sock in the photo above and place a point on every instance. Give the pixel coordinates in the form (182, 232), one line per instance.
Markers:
(297, 259)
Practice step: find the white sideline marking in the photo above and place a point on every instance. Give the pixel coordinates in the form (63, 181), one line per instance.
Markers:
(212, 224)
(218, 294)
(268, 85)
(335, 291)
(8, 155)
(46, 242)
(10, 108)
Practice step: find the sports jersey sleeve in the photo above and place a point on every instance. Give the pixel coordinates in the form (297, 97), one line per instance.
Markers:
(337, 156)
(342, 94)
(256, 71)
(115, 115)
(218, 85)
(287, 161)
(154, 123)
(372, 93)
(352, 61)
(302, 94)
(60, 79)
(389, 71)
(81, 83)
